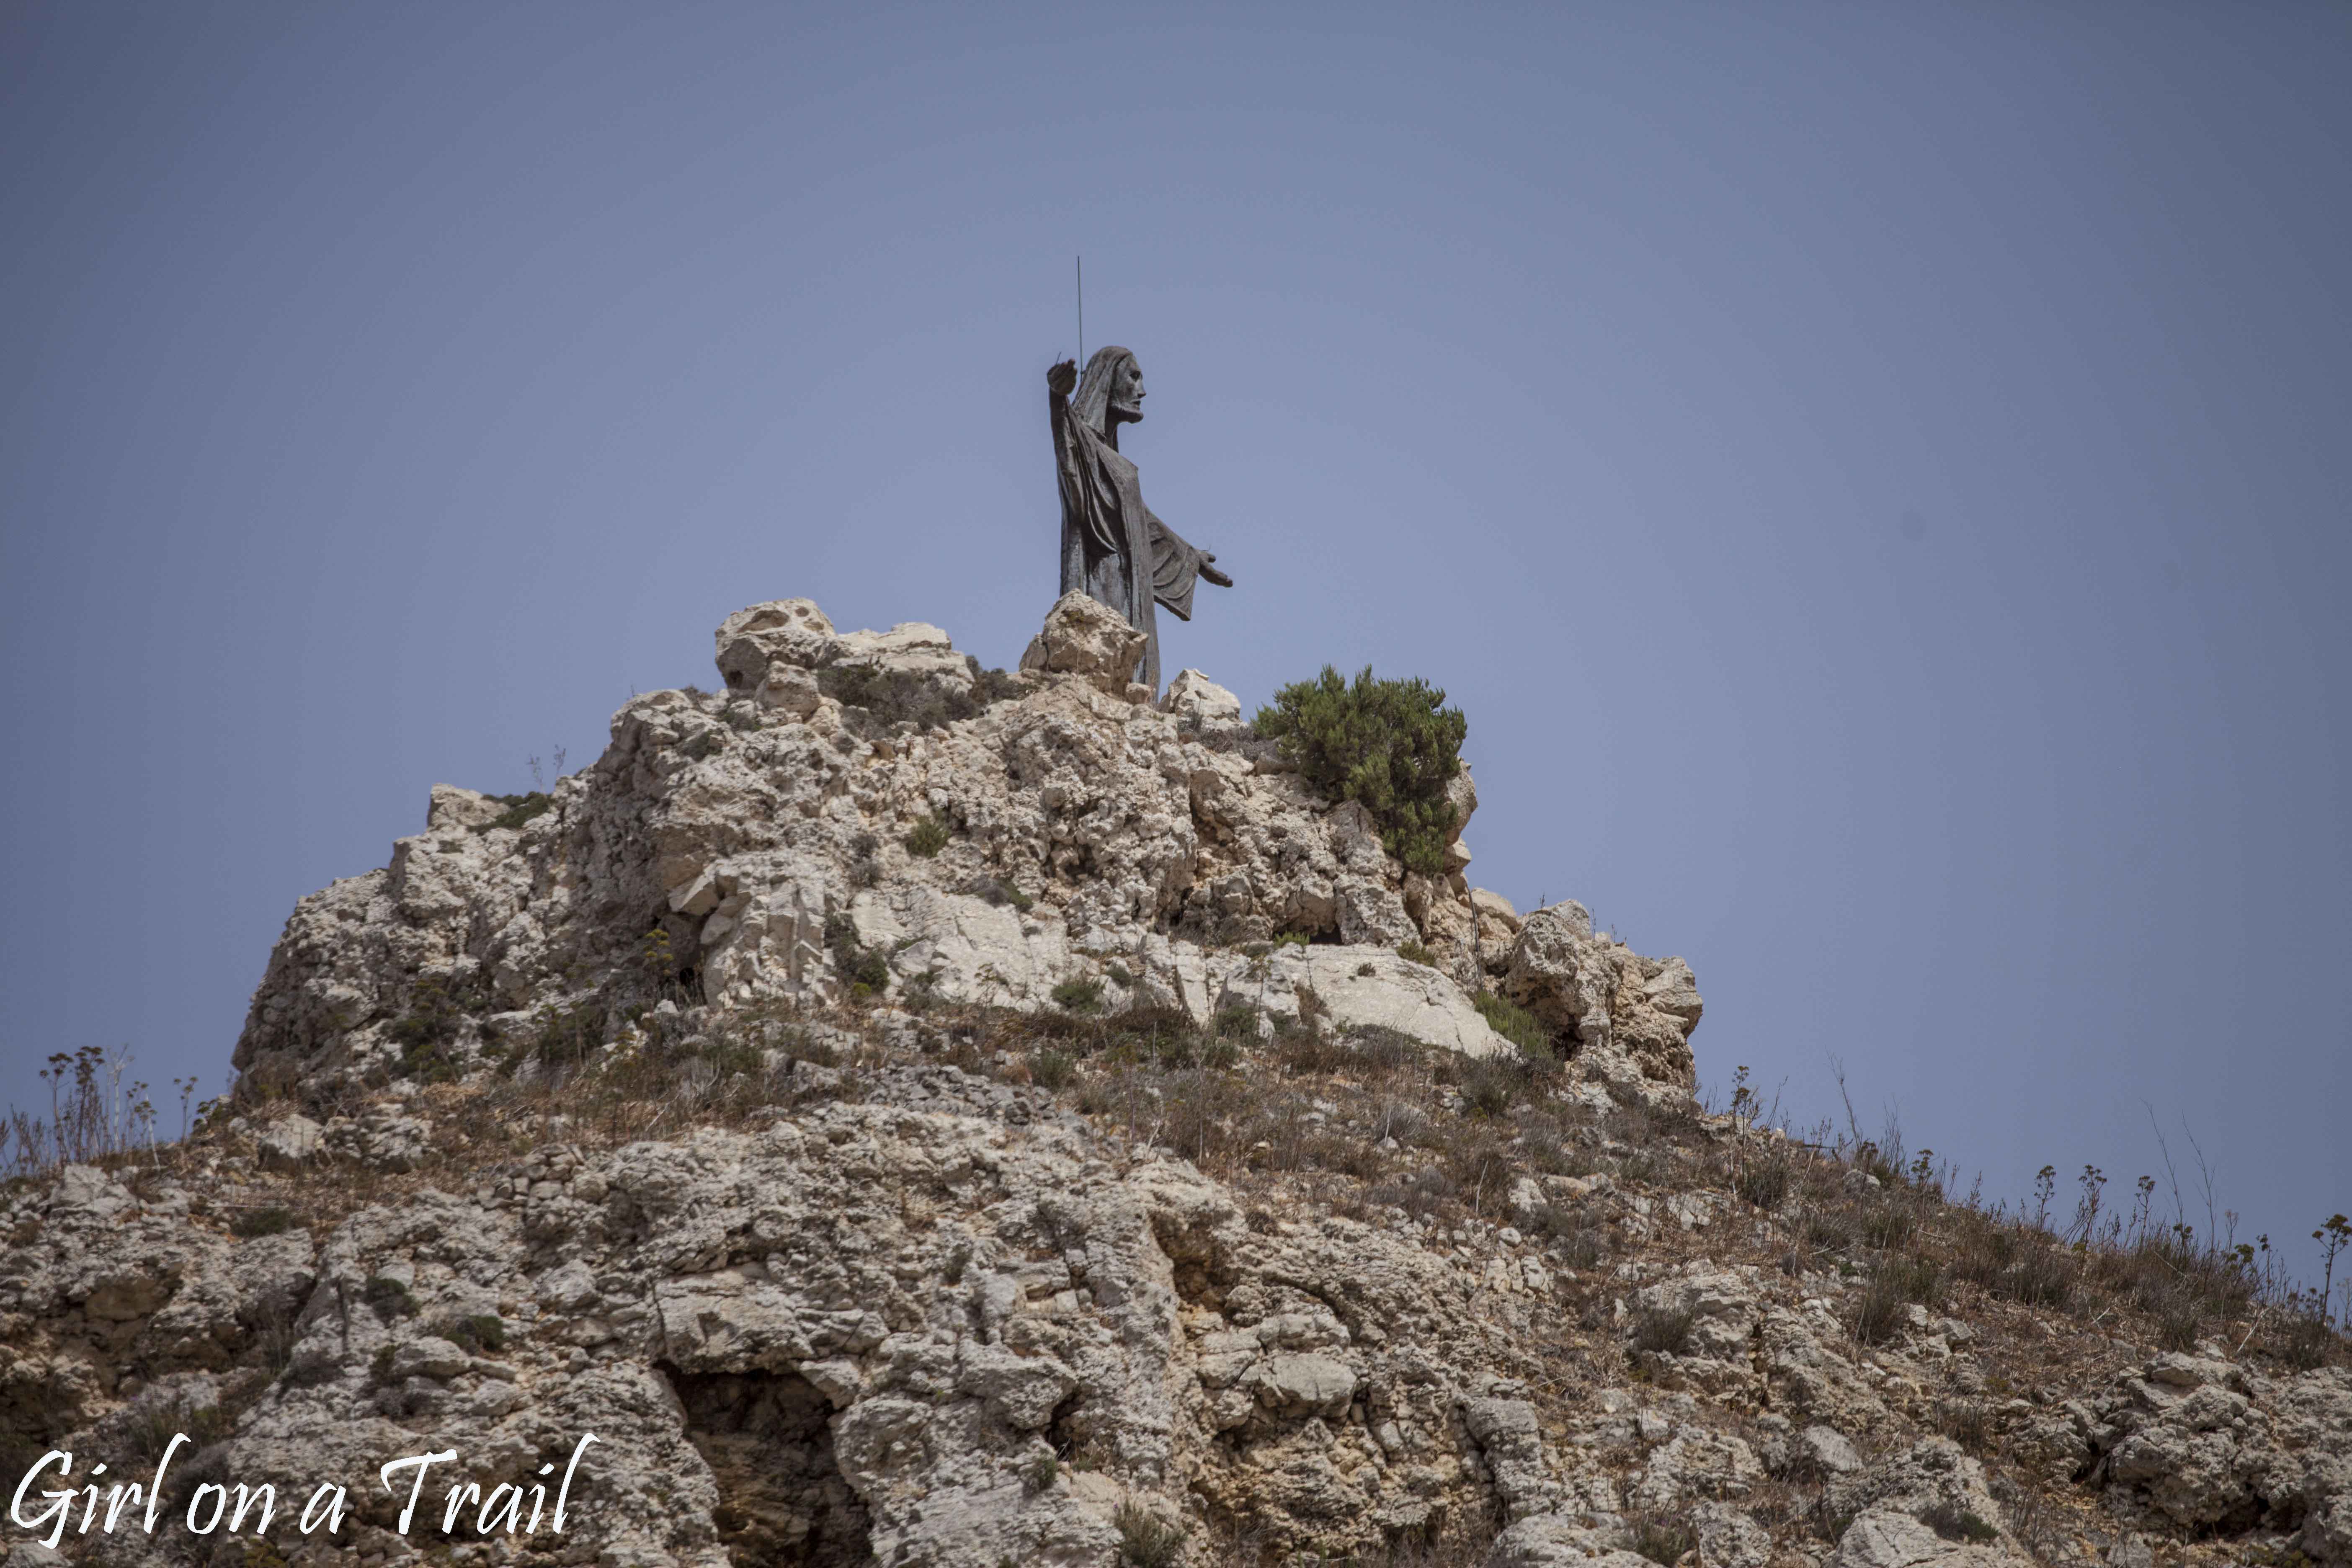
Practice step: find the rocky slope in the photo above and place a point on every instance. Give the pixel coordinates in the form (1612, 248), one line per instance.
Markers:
(721, 1103)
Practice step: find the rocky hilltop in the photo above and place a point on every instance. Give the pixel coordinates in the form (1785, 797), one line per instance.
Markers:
(916, 1114)
(984, 837)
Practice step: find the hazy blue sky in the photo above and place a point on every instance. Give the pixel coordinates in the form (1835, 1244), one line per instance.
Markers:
(1877, 478)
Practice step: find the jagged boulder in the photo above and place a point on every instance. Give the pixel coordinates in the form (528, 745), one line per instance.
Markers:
(1085, 637)
(1631, 1017)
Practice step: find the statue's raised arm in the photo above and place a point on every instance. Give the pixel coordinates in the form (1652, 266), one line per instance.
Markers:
(1113, 547)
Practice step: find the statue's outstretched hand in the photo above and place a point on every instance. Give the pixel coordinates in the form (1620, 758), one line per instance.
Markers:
(1212, 573)
(1062, 379)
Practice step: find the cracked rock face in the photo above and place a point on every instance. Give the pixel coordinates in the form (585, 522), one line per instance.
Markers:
(890, 1331)
(2206, 1444)
(981, 837)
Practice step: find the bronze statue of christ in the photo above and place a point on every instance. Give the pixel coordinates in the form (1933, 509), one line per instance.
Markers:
(1113, 549)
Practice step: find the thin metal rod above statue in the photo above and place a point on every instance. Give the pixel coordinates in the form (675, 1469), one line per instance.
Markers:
(1113, 547)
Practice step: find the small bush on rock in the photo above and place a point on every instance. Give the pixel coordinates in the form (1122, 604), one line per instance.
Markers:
(930, 836)
(1391, 745)
(389, 1296)
(873, 700)
(998, 893)
(1764, 1180)
(1517, 1025)
(1145, 1540)
(1665, 1331)
(867, 969)
(477, 1332)
(1490, 1087)
(1662, 1541)
(272, 1221)
(520, 809)
(1953, 1522)
(151, 1429)
(1079, 996)
(1236, 1024)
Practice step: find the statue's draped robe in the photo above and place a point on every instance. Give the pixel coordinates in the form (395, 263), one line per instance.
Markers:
(1113, 549)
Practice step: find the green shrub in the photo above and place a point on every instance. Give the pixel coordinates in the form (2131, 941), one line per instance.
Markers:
(1764, 1180)
(1079, 996)
(931, 835)
(1236, 1024)
(271, 1221)
(1391, 745)
(1491, 1087)
(1415, 953)
(1828, 1231)
(1052, 1069)
(1145, 1540)
(1897, 1282)
(1665, 1331)
(999, 892)
(1663, 1541)
(520, 809)
(1514, 1024)
(1953, 1522)
(389, 1296)
(867, 969)
(150, 1428)
(481, 1332)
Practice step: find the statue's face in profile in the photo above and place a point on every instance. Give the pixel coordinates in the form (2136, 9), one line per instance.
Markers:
(1127, 393)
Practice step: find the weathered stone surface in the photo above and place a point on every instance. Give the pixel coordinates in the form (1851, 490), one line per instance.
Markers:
(451, 807)
(1826, 1451)
(874, 1317)
(1085, 637)
(1193, 696)
(289, 1140)
(1630, 1017)
(1883, 1538)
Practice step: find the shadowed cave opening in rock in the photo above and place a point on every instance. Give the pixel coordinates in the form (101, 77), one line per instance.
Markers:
(781, 1497)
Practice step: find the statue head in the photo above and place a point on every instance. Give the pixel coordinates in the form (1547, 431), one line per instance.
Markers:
(1111, 392)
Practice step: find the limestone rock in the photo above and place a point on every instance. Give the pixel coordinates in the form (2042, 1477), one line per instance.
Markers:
(1085, 636)
(748, 642)
(1193, 696)
(452, 809)
(1358, 986)
(1630, 1017)
(1826, 1452)
(912, 650)
(288, 1141)
(1883, 1538)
